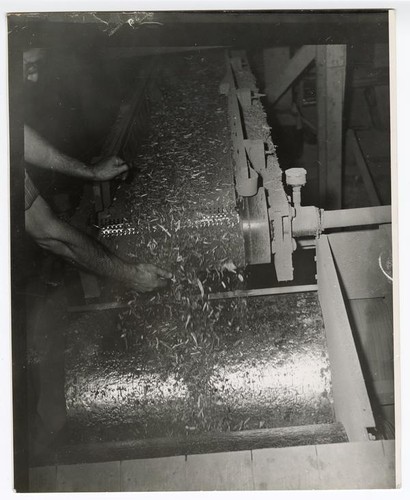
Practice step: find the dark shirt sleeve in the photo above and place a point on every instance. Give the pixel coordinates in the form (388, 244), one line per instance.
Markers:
(30, 192)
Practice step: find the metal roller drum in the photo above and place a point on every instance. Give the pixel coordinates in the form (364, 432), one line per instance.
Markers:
(261, 364)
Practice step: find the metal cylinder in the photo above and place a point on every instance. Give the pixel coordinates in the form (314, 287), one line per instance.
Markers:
(306, 222)
(263, 364)
(356, 217)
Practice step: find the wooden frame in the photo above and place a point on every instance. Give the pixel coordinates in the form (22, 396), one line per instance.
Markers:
(351, 401)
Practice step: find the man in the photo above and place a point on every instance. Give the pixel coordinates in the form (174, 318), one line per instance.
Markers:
(68, 242)
(60, 238)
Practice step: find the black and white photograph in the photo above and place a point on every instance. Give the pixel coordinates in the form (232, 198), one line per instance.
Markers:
(202, 266)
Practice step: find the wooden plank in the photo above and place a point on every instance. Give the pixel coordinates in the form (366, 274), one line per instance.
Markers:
(154, 474)
(389, 450)
(356, 254)
(299, 62)
(262, 291)
(292, 468)
(330, 84)
(361, 465)
(352, 142)
(89, 477)
(373, 325)
(351, 401)
(211, 442)
(219, 471)
(43, 479)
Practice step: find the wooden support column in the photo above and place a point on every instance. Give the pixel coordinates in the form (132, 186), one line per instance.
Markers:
(330, 75)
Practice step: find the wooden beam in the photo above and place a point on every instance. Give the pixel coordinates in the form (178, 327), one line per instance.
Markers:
(330, 80)
(193, 444)
(263, 291)
(351, 401)
(353, 143)
(299, 62)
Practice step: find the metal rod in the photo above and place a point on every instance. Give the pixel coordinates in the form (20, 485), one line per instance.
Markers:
(262, 291)
(356, 217)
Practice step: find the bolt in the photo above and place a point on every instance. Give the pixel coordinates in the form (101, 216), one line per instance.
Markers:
(296, 177)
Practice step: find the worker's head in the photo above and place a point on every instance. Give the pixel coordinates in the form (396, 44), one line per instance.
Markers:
(32, 59)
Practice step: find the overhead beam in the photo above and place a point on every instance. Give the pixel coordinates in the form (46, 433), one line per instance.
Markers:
(295, 67)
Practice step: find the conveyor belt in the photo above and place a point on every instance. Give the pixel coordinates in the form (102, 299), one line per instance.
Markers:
(185, 178)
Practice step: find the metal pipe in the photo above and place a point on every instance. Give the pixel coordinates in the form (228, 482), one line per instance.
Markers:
(356, 217)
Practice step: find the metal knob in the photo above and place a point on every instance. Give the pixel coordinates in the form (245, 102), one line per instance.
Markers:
(295, 177)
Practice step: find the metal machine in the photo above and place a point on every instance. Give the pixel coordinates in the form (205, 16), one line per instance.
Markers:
(274, 223)
(147, 393)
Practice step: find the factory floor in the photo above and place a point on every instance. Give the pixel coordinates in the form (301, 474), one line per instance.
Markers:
(361, 465)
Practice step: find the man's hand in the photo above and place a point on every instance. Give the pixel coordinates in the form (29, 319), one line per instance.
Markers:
(110, 168)
(147, 278)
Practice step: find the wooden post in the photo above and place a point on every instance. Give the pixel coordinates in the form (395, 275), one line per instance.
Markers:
(330, 76)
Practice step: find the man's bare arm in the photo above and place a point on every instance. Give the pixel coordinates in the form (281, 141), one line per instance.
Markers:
(68, 242)
(41, 153)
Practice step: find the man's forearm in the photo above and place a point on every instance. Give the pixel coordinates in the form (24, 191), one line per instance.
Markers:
(41, 153)
(68, 242)
(64, 240)
(89, 254)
